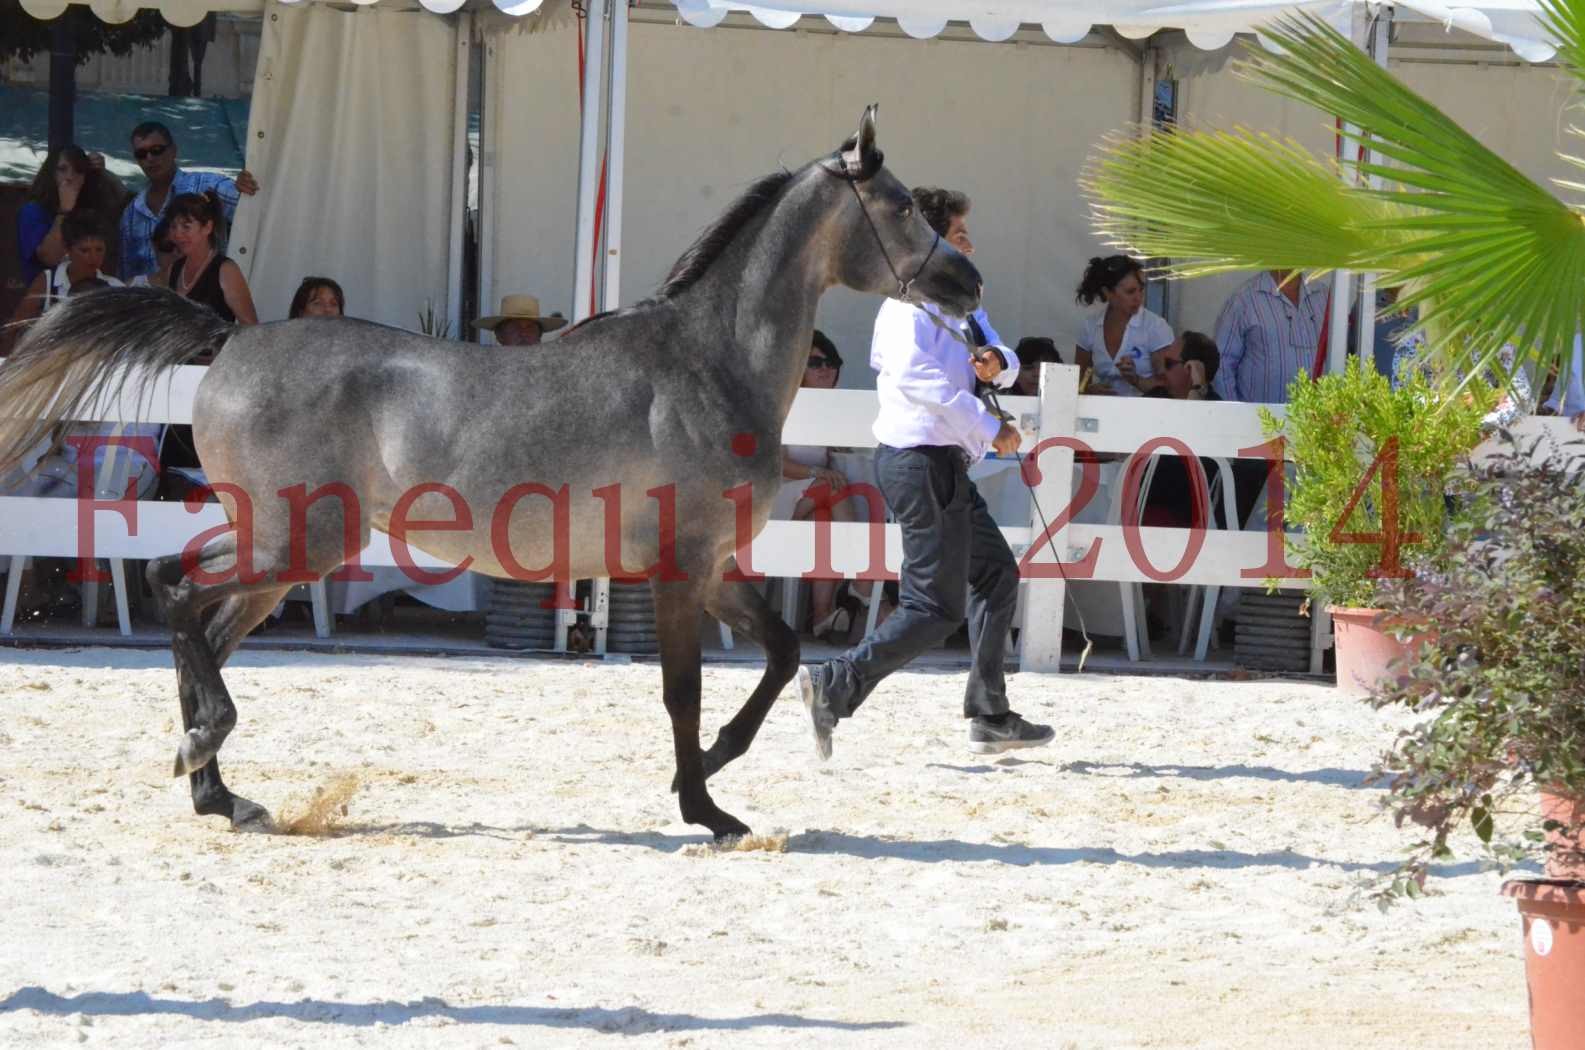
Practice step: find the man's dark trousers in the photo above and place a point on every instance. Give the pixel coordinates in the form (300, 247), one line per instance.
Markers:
(953, 556)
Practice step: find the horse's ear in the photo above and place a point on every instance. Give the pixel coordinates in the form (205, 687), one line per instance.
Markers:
(867, 129)
(860, 158)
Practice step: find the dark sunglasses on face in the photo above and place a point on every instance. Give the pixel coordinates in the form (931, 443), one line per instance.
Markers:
(149, 151)
(1170, 363)
(821, 362)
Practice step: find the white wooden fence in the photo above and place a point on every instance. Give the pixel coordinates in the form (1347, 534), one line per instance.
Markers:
(50, 527)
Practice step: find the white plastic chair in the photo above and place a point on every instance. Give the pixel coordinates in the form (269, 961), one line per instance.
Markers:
(1136, 633)
(109, 483)
(1209, 595)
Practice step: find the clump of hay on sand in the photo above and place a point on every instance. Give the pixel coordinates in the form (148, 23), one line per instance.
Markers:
(775, 842)
(320, 816)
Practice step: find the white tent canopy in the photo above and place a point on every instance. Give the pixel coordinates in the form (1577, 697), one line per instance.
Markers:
(1209, 24)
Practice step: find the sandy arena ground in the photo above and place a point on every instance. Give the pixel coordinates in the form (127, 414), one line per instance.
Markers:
(1190, 866)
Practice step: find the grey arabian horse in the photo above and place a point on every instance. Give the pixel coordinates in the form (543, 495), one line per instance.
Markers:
(626, 443)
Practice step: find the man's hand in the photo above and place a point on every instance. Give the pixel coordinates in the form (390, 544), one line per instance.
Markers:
(1007, 440)
(246, 183)
(835, 478)
(987, 365)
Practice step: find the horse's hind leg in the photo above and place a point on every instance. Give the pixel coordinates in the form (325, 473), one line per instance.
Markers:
(207, 619)
(677, 608)
(742, 608)
(222, 630)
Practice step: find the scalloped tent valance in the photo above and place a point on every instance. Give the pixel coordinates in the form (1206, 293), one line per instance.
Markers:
(1208, 24)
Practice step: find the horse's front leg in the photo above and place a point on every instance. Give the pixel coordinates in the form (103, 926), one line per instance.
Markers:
(677, 609)
(742, 608)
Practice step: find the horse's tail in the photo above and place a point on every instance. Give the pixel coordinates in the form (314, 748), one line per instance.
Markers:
(83, 352)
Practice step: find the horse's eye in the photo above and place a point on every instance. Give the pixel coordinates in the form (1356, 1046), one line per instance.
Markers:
(906, 210)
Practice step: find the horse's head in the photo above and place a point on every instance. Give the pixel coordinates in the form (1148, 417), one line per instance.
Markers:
(884, 245)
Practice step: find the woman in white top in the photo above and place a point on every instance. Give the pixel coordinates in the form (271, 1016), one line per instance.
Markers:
(85, 254)
(802, 467)
(1122, 344)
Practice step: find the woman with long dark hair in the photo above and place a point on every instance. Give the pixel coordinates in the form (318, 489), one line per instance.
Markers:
(68, 181)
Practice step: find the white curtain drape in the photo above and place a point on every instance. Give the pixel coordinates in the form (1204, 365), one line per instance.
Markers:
(350, 138)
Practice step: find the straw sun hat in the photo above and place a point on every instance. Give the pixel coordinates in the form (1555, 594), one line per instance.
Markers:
(520, 308)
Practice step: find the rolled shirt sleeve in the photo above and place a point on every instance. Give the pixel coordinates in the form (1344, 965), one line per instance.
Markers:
(1009, 374)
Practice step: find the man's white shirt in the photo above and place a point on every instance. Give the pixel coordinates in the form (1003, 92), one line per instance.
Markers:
(925, 379)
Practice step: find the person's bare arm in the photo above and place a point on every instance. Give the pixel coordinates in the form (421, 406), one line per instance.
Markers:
(238, 297)
(32, 303)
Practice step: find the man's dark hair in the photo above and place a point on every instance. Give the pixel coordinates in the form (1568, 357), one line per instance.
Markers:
(940, 207)
(81, 225)
(1197, 346)
(1037, 349)
(153, 127)
(823, 343)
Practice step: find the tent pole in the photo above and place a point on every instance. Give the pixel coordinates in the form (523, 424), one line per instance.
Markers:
(1380, 40)
(588, 180)
(459, 174)
(1342, 280)
(589, 159)
(616, 141)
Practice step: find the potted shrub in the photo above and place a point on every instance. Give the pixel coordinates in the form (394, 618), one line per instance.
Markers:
(1501, 688)
(1371, 469)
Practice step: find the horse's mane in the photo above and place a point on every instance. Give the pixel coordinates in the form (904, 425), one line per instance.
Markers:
(693, 263)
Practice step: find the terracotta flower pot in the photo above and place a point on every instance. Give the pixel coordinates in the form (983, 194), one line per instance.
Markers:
(1553, 914)
(1565, 861)
(1364, 648)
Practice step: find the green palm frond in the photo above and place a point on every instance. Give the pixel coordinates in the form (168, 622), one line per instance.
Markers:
(1486, 254)
(1185, 195)
(1491, 256)
(1565, 23)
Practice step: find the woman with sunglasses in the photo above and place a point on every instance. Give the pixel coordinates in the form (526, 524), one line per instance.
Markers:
(68, 181)
(803, 467)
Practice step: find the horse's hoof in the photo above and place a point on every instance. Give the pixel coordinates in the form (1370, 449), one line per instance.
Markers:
(729, 828)
(194, 752)
(247, 815)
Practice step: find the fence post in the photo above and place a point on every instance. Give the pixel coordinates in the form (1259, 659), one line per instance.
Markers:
(1040, 641)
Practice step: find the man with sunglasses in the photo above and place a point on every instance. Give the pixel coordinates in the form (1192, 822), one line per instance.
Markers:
(154, 148)
(956, 563)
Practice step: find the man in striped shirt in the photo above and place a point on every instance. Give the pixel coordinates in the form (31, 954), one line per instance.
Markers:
(1268, 332)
